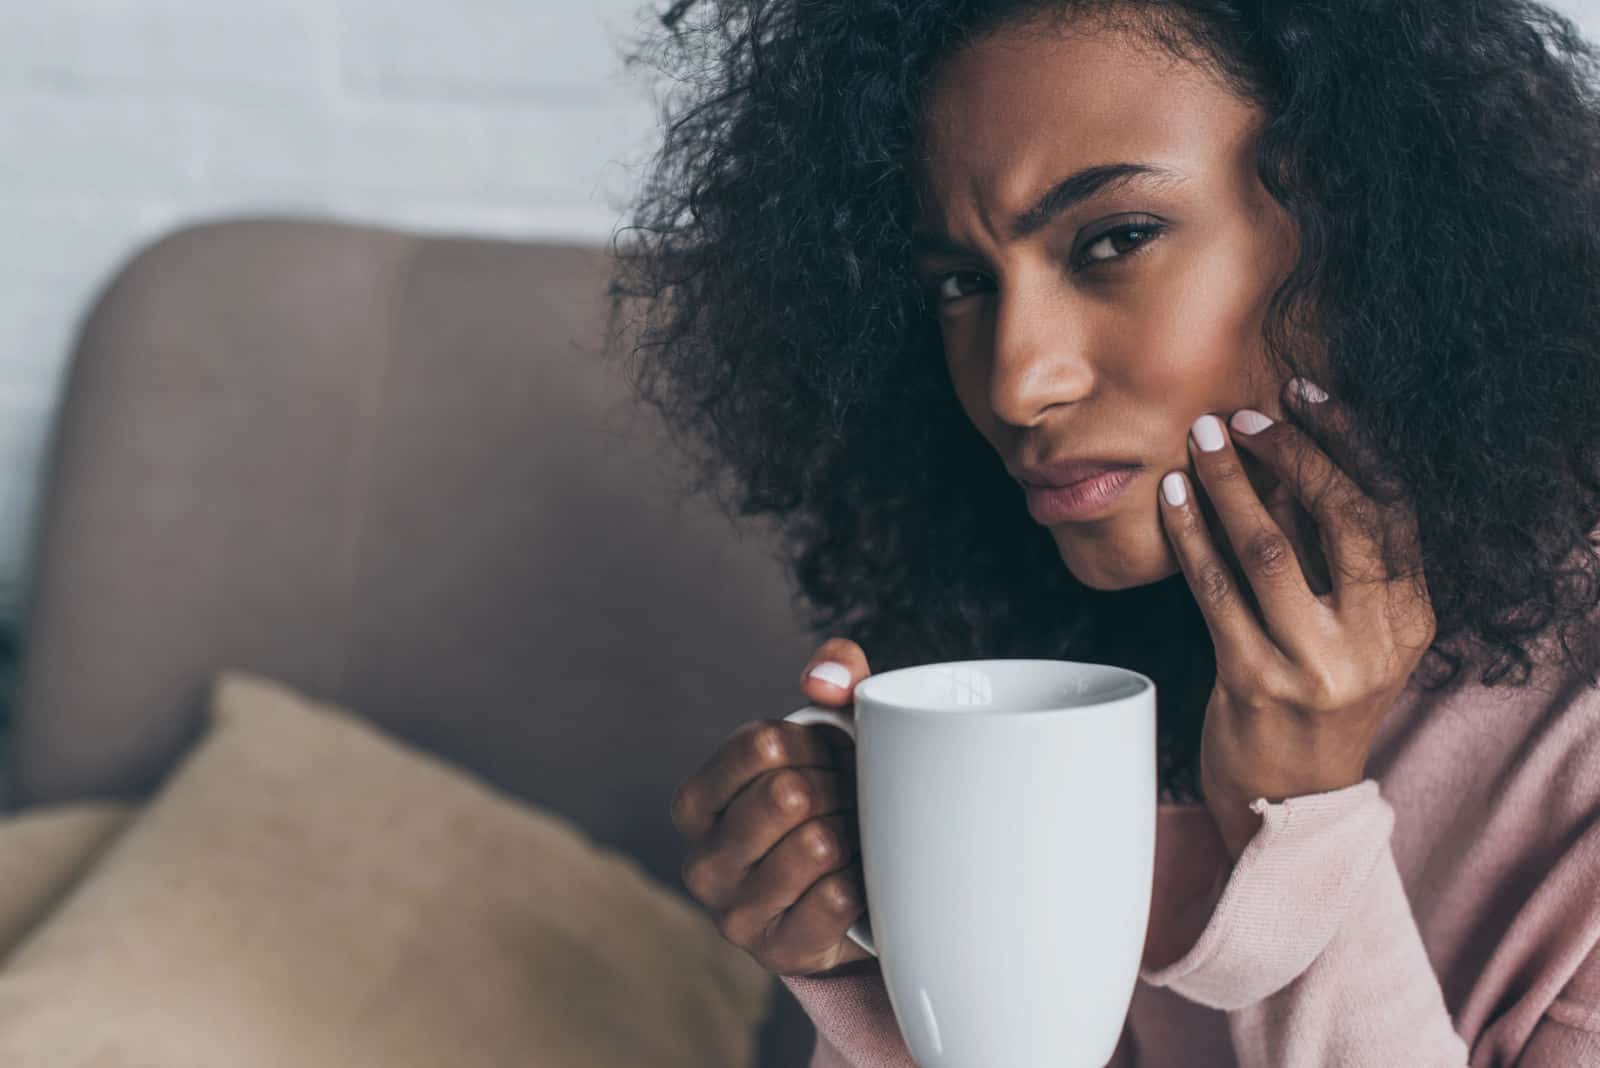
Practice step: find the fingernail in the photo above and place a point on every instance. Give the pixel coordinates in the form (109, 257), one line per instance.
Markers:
(1249, 421)
(1173, 490)
(1307, 390)
(1207, 432)
(831, 671)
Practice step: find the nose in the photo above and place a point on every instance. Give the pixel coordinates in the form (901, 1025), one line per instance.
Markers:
(1040, 356)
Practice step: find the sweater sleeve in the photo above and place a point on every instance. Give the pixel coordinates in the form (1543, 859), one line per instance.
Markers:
(1312, 949)
(855, 1023)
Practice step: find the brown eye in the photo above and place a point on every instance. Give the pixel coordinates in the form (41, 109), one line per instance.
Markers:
(954, 285)
(1121, 235)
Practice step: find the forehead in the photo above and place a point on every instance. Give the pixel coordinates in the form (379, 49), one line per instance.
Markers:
(1012, 112)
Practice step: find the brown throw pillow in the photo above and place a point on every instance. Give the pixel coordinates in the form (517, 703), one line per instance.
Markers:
(307, 891)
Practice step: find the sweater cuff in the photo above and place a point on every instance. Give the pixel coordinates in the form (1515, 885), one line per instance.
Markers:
(1298, 878)
(854, 1019)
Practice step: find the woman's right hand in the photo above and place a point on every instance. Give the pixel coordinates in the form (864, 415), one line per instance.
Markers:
(774, 846)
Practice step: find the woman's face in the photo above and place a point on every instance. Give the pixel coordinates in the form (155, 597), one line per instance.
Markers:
(1077, 338)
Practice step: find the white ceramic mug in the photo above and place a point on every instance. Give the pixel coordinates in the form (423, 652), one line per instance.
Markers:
(1007, 811)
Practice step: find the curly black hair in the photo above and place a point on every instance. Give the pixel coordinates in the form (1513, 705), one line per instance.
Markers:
(1440, 159)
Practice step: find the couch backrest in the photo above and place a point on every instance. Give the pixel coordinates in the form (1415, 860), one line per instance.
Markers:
(398, 472)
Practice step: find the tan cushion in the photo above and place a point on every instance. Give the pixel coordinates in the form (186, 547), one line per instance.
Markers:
(42, 850)
(305, 890)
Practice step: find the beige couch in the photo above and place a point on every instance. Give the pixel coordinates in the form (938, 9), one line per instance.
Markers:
(397, 477)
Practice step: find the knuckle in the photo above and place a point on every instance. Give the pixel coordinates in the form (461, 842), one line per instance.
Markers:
(789, 791)
(732, 925)
(765, 937)
(1215, 584)
(821, 844)
(839, 894)
(1357, 509)
(1268, 552)
(1322, 688)
(684, 802)
(1276, 690)
(1428, 627)
(697, 878)
(767, 743)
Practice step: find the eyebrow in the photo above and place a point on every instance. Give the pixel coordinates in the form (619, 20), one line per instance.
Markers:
(1070, 191)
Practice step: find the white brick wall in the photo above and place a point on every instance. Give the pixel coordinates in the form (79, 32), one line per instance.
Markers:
(122, 118)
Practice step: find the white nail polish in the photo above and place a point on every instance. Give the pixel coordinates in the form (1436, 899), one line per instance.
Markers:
(1307, 390)
(1249, 421)
(1207, 432)
(831, 671)
(1173, 489)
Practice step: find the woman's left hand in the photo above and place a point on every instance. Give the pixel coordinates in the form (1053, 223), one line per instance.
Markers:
(1304, 679)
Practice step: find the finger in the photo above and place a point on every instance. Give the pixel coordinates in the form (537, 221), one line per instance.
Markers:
(1264, 552)
(775, 804)
(1296, 522)
(843, 665)
(752, 750)
(816, 848)
(768, 809)
(840, 651)
(1284, 508)
(1235, 635)
(821, 916)
(1349, 523)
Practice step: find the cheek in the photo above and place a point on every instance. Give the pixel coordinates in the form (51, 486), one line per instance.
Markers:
(1186, 373)
(1183, 373)
(1201, 339)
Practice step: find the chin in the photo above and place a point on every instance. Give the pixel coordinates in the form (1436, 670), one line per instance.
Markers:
(1113, 563)
(1101, 581)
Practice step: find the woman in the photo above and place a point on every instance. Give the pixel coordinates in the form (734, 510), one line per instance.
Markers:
(900, 261)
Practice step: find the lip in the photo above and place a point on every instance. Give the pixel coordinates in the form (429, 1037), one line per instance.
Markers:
(1067, 472)
(1081, 500)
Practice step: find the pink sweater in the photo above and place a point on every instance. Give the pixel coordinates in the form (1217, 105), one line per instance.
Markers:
(1444, 912)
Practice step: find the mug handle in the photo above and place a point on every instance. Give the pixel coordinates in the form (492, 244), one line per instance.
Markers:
(860, 932)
